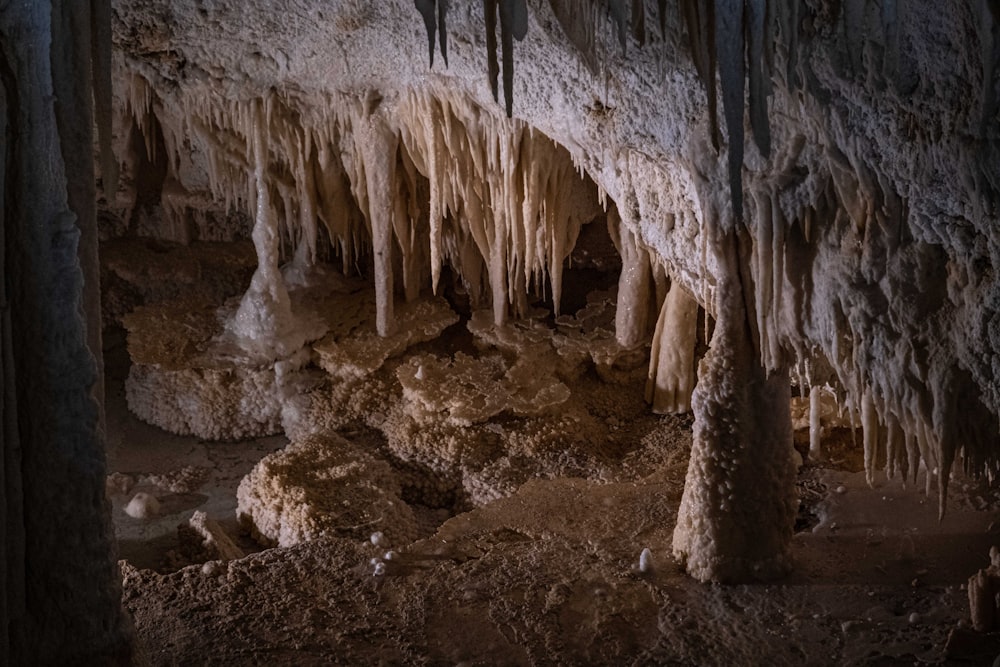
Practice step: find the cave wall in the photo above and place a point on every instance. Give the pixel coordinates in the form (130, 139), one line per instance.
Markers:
(60, 588)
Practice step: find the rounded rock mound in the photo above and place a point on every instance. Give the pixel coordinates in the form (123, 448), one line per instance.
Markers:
(323, 486)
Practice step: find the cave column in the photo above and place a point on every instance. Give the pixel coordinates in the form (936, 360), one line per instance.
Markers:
(60, 587)
(264, 322)
(737, 513)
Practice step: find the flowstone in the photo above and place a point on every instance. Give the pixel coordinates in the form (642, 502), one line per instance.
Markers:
(353, 349)
(467, 390)
(180, 381)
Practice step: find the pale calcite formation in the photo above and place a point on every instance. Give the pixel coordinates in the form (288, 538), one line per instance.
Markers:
(671, 361)
(214, 404)
(179, 382)
(323, 486)
(863, 221)
(467, 390)
(354, 349)
(738, 509)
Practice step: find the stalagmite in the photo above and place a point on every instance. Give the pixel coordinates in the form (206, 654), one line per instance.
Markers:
(671, 360)
(736, 515)
(264, 324)
(759, 74)
(305, 249)
(729, 39)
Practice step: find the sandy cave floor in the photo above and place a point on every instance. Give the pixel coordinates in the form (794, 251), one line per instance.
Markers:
(550, 574)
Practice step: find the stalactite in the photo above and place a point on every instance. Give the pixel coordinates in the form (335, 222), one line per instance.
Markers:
(854, 29)
(513, 25)
(760, 75)
(729, 40)
(139, 101)
(434, 13)
(514, 188)
(492, 64)
(699, 17)
(891, 16)
(671, 376)
(579, 27)
(620, 16)
(787, 13)
(639, 21)
(815, 424)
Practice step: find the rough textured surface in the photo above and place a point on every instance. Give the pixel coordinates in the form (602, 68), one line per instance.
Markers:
(849, 246)
(863, 212)
(354, 349)
(551, 575)
(203, 539)
(59, 585)
(322, 487)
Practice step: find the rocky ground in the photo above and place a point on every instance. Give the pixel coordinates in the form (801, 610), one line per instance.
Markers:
(528, 545)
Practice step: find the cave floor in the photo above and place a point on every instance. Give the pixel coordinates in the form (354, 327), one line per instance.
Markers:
(547, 575)
(548, 572)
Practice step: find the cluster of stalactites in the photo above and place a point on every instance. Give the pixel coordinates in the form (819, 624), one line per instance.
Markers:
(733, 46)
(435, 181)
(914, 410)
(503, 198)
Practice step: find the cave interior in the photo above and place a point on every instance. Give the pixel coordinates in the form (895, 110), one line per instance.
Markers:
(500, 332)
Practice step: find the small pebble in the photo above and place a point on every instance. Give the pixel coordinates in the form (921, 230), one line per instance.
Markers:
(914, 618)
(379, 569)
(142, 506)
(646, 560)
(841, 489)
(378, 538)
(212, 568)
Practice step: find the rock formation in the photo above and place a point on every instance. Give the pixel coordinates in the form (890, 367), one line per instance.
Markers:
(840, 243)
(819, 177)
